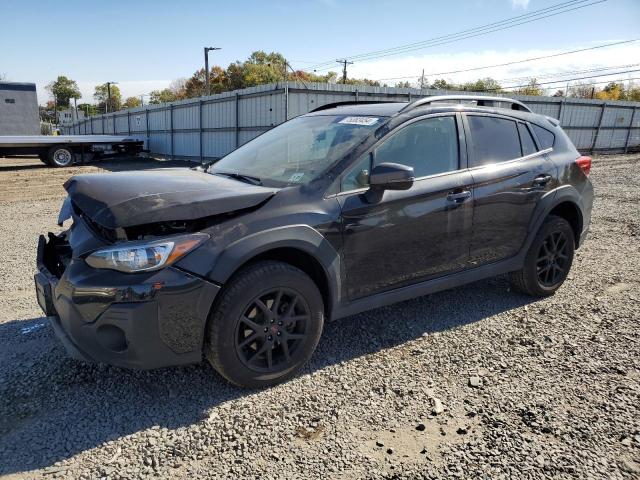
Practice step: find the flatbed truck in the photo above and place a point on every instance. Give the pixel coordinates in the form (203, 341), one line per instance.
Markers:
(65, 150)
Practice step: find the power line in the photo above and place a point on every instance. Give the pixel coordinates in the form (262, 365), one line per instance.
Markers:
(565, 80)
(574, 72)
(586, 84)
(442, 37)
(473, 32)
(531, 59)
(562, 74)
(462, 35)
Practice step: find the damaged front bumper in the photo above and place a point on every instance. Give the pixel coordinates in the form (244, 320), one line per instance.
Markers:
(142, 320)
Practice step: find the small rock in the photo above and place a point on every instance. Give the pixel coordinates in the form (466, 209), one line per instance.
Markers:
(421, 427)
(462, 431)
(438, 408)
(626, 441)
(629, 466)
(475, 381)
(390, 451)
(539, 461)
(379, 443)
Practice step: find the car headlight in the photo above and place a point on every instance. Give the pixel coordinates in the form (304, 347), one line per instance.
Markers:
(145, 256)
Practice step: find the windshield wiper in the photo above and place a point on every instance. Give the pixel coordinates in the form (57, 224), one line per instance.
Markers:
(240, 176)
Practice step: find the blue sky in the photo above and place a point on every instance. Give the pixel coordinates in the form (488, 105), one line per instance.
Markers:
(145, 44)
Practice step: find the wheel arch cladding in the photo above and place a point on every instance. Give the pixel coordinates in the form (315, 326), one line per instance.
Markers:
(572, 214)
(298, 245)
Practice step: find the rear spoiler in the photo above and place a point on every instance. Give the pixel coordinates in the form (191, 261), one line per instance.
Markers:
(554, 121)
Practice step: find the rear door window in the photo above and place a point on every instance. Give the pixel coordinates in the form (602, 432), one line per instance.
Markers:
(494, 140)
(528, 145)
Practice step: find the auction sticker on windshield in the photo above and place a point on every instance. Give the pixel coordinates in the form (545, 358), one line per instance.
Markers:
(367, 121)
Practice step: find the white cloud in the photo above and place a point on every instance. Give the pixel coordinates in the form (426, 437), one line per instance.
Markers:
(388, 69)
(520, 3)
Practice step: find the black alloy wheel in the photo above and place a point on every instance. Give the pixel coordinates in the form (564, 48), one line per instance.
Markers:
(264, 325)
(553, 259)
(271, 329)
(548, 260)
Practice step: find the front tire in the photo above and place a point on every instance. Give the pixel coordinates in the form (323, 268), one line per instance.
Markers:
(265, 325)
(548, 260)
(59, 156)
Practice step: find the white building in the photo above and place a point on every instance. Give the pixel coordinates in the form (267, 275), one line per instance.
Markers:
(68, 116)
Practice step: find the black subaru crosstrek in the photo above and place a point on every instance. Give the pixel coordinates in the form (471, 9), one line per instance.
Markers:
(344, 209)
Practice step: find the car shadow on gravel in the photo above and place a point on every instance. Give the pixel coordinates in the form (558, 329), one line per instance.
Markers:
(52, 407)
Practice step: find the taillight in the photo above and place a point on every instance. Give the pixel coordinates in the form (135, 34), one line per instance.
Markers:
(584, 163)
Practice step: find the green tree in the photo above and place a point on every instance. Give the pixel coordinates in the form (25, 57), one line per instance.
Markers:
(532, 88)
(195, 86)
(178, 88)
(632, 93)
(362, 81)
(88, 109)
(581, 90)
(442, 84)
(131, 102)
(612, 91)
(403, 85)
(487, 84)
(162, 96)
(62, 90)
(101, 95)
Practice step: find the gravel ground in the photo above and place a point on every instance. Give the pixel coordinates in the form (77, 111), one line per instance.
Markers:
(474, 382)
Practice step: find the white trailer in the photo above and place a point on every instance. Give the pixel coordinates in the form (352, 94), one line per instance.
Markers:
(65, 150)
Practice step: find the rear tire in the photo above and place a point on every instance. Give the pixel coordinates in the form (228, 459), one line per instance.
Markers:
(265, 325)
(60, 156)
(548, 260)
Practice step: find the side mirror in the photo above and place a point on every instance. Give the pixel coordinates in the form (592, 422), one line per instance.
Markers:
(391, 176)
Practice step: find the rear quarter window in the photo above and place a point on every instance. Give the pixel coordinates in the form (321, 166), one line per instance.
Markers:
(545, 137)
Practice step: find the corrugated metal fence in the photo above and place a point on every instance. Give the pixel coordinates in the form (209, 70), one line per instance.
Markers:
(210, 127)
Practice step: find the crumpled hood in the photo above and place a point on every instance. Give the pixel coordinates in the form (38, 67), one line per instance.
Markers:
(125, 199)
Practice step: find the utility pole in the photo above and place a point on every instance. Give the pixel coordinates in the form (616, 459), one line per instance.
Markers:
(344, 62)
(206, 68)
(75, 108)
(422, 81)
(109, 95)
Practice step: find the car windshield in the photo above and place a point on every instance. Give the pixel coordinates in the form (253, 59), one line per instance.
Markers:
(297, 151)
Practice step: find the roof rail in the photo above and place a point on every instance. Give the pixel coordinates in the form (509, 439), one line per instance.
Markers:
(480, 100)
(349, 102)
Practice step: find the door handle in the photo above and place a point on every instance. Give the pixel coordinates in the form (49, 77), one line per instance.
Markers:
(541, 180)
(458, 197)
